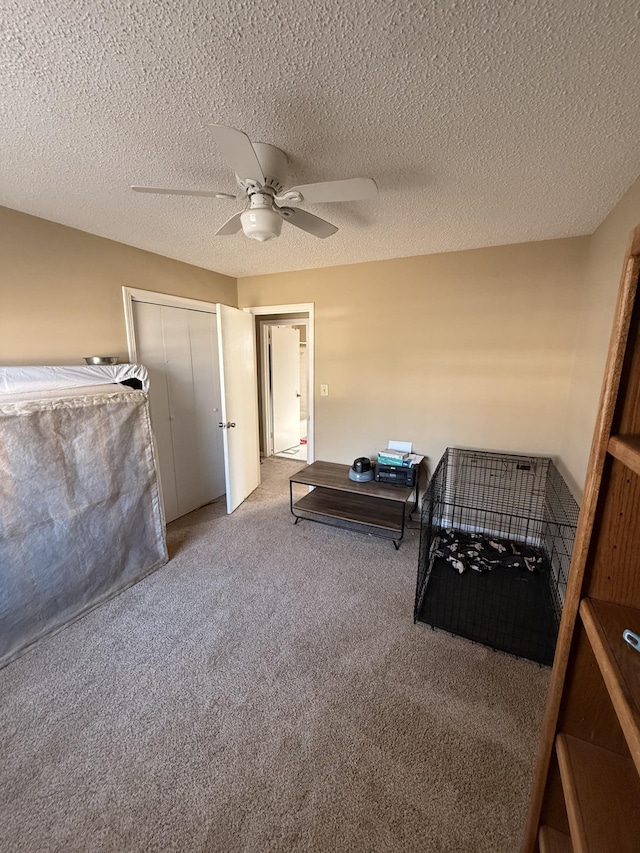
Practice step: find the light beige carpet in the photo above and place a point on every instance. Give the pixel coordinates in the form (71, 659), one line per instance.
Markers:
(267, 690)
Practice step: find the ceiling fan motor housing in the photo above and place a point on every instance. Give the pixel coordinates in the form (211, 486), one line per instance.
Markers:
(273, 162)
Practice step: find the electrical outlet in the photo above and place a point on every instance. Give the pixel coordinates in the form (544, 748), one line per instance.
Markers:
(324, 390)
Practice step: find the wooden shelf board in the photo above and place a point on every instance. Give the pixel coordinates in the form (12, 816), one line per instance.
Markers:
(552, 841)
(602, 792)
(626, 449)
(348, 507)
(619, 664)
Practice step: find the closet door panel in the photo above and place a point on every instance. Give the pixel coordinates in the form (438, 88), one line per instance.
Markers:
(177, 347)
(207, 404)
(150, 345)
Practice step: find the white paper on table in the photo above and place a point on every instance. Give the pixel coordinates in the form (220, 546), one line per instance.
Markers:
(415, 458)
(402, 446)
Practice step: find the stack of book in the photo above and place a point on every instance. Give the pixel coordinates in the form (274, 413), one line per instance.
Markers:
(394, 457)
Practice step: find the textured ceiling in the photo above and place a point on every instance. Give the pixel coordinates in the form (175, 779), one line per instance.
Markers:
(483, 123)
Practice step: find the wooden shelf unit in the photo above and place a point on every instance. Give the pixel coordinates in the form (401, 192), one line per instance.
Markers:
(626, 448)
(619, 664)
(587, 780)
(589, 775)
(552, 841)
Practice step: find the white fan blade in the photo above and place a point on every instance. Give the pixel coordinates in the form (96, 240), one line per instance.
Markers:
(308, 222)
(237, 150)
(352, 189)
(162, 191)
(231, 226)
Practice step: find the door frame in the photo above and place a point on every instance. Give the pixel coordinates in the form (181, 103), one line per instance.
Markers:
(283, 313)
(267, 414)
(134, 294)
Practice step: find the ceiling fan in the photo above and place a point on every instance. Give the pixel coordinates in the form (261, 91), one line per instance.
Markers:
(260, 172)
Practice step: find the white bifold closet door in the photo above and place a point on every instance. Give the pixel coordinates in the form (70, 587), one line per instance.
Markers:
(179, 348)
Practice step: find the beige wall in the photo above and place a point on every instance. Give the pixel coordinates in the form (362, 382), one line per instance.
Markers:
(607, 248)
(61, 290)
(499, 348)
(469, 348)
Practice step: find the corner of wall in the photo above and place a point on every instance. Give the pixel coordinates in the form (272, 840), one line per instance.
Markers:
(603, 265)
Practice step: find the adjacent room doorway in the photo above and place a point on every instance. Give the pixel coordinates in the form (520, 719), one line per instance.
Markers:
(285, 343)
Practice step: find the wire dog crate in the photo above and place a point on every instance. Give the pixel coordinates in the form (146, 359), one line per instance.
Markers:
(497, 532)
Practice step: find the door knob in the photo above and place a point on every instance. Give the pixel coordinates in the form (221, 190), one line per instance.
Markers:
(228, 425)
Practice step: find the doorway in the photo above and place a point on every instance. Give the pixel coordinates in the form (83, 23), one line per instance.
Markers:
(285, 344)
(286, 394)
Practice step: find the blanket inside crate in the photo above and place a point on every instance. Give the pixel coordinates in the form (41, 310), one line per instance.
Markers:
(482, 553)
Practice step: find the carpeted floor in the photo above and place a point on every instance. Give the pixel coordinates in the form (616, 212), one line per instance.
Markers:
(267, 690)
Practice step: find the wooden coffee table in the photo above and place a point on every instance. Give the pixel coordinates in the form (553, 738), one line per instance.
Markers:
(378, 509)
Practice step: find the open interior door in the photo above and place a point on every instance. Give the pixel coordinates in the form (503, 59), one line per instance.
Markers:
(239, 422)
(285, 387)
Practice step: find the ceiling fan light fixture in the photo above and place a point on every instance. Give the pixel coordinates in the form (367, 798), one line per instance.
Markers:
(261, 224)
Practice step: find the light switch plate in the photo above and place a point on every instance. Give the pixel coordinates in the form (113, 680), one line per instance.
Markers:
(324, 390)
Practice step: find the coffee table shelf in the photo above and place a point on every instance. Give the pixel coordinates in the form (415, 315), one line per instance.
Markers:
(375, 508)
